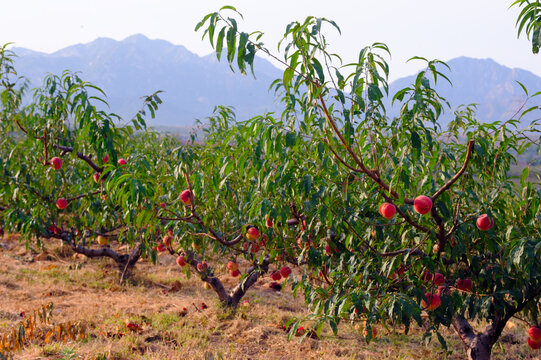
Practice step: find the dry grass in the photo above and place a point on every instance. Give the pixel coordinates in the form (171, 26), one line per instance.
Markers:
(87, 291)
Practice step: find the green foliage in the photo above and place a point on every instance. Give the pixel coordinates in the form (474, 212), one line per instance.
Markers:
(319, 171)
(529, 21)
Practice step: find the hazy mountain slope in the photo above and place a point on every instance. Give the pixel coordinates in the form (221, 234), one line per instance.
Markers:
(193, 85)
(129, 69)
(482, 81)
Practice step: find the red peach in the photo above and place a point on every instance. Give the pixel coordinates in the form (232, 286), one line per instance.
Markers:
(186, 197)
(484, 222)
(61, 203)
(56, 162)
(387, 210)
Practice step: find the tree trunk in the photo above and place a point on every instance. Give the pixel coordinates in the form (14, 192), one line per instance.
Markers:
(231, 298)
(478, 346)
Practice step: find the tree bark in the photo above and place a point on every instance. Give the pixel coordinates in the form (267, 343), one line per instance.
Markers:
(231, 298)
(478, 346)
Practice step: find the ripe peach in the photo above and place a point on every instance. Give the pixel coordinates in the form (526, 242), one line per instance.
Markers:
(186, 197)
(234, 273)
(122, 162)
(181, 261)
(433, 299)
(61, 203)
(231, 265)
(484, 222)
(268, 222)
(276, 276)
(252, 233)
(202, 266)
(285, 271)
(464, 284)
(102, 240)
(96, 177)
(387, 210)
(534, 345)
(534, 332)
(439, 279)
(161, 247)
(167, 240)
(56, 162)
(422, 204)
(105, 159)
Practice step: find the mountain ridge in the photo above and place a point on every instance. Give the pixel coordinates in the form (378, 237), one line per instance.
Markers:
(137, 66)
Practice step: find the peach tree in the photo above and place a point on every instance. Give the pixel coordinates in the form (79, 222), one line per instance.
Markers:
(401, 217)
(57, 154)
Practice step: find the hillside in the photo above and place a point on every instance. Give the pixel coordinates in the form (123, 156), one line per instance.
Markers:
(137, 66)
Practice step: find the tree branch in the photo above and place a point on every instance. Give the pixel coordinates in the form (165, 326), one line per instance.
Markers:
(445, 187)
(87, 159)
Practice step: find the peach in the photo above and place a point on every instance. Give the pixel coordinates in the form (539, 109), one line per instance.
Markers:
(387, 210)
(484, 222)
(186, 197)
(422, 204)
(61, 203)
(56, 162)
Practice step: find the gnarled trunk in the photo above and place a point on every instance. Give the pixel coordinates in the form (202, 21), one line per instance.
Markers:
(478, 346)
(231, 298)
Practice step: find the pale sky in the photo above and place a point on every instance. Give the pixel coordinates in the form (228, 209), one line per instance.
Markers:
(429, 28)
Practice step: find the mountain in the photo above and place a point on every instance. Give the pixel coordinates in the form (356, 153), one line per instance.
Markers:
(129, 69)
(492, 86)
(137, 66)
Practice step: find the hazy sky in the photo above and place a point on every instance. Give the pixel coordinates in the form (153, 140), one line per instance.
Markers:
(430, 28)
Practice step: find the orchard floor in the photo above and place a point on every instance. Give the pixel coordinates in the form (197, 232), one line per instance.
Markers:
(86, 292)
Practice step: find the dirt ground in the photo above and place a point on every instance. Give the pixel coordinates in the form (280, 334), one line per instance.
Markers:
(157, 314)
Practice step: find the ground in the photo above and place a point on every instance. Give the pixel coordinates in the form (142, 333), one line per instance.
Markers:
(85, 293)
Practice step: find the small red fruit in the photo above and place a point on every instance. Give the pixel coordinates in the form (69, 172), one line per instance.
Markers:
(285, 271)
(464, 284)
(534, 332)
(439, 279)
(186, 197)
(433, 299)
(534, 345)
(96, 177)
(61, 203)
(234, 273)
(387, 210)
(56, 162)
(484, 222)
(252, 233)
(203, 306)
(268, 222)
(181, 261)
(161, 247)
(122, 162)
(231, 265)
(105, 159)
(276, 276)
(202, 266)
(422, 204)
(162, 205)
(167, 240)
